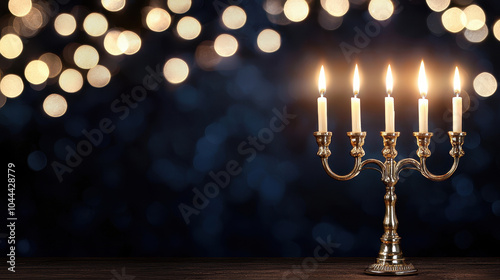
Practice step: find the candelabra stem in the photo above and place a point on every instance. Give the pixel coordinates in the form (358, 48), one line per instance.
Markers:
(390, 259)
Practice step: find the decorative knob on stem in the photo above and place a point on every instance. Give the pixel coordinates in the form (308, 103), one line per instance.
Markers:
(389, 150)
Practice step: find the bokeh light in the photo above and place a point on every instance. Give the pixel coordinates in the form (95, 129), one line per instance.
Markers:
(438, 5)
(11, 85)
(11, 46)
(55, 105)
(485, 84)
(3, 99)
(335, 8)
(476, 36)
(496, 29)
(234, 17)
(475, 17)
(273, 7)
(20, 8)
(36, 72)
(381, 9)
(434, 24)
(65, 24)
(99, 76)
(158, 20)
(95, 24)
(269, 41)
(37, 160)
(296, 10)
(205, 56)
(454, 20)
(113, 5)
(70, 80)
(111, 42)
(188, 28)
(53, 62)
(34, 19)
(179, 6)
(21, 29)
(225, 45)
(175, 70)
(86, 57)
(129, 42)
(329, 22)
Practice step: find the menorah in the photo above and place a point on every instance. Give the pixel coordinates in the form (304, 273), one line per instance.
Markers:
(390, 260)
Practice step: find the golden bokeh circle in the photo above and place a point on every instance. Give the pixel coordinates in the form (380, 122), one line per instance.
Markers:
(269, 41)
(158, 20)
(86, 57)
(175, 70)
(70, 80)
(225, 45)
(234, 17)
(11, 46)
(99, 76)
(36, 72)
(65, 24)
(95, 24)
(11, 85)
(55, 105)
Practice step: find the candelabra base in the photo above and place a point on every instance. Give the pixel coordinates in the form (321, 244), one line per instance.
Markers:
(394, 268)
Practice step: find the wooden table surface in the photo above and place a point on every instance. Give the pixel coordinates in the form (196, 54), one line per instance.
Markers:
(242, 268)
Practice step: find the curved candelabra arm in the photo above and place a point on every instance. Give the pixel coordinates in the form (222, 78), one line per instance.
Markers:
(408, 163)
(423, 152)
(427, 174)
(379, 164)
(357, 141)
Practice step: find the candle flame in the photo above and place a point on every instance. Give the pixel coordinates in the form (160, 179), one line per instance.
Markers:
(322, 81)
(356, 81)
(388, 81)
(422, 81)
(456, 82)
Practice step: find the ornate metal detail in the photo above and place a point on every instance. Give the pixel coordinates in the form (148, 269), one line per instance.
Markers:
(390, 260)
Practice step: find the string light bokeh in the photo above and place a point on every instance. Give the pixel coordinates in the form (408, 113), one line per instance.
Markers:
(29, 19)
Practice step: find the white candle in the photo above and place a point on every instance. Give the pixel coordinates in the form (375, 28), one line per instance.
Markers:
(423, 115)
(457, 114)
(356, 114)
(389, 103)
(322, 121)
(356, 103)
(457, 104)
(322, 115)
(423, 104)
(389, 114)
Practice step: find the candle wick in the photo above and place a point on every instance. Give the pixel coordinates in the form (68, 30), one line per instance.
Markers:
(322, 92)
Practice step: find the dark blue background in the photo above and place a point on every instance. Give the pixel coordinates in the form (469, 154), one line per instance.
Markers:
(123, 199)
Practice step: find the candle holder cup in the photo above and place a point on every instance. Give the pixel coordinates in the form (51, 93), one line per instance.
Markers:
(390, 260)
